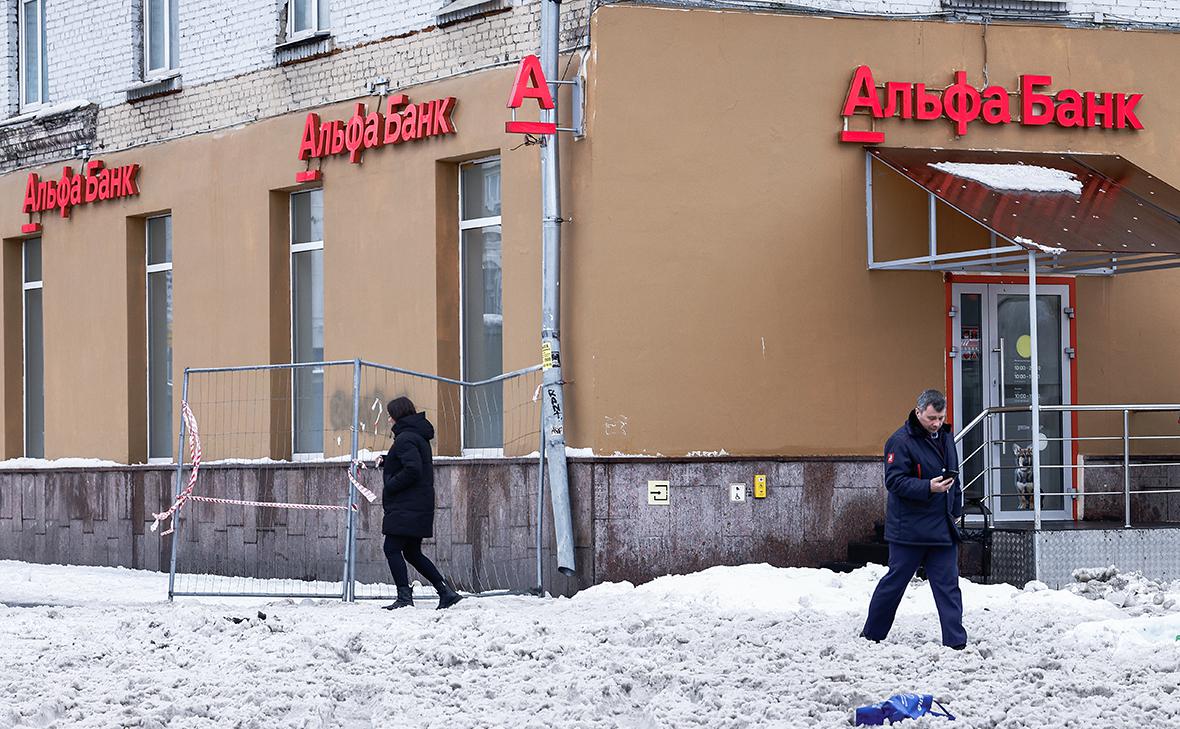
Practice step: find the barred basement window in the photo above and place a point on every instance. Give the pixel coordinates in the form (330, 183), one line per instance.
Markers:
(1007, 7)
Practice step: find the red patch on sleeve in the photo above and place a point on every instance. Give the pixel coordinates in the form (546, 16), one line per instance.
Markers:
(889, 459)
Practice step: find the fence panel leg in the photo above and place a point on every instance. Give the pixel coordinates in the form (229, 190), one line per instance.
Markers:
(176, 491)
(352, 502)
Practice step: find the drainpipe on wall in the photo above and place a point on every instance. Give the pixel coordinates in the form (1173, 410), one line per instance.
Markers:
(553, 401)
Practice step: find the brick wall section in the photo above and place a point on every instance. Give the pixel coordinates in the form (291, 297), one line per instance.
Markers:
(9, 85)
(223, 38)
(91, 49)
(424, 56)
(228, 63)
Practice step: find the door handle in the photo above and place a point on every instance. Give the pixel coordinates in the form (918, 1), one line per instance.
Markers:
(1003, 416)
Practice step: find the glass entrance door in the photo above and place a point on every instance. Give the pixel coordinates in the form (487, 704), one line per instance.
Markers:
(992, 369)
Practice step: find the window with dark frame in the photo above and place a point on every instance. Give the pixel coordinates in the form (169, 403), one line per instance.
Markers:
(34, 349)
(159, 336)
(161, 33)
(481, 303)
(32, 62)
(307, 321)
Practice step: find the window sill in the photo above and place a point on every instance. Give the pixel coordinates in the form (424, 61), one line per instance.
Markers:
(150, 89)
(460, 10)
(307, 48)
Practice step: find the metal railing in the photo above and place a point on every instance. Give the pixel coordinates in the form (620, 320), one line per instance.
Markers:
(990, 470)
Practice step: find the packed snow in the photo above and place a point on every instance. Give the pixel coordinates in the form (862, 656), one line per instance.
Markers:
(750, 646)
(27, 464)
(1023, 178)
(1043, 248)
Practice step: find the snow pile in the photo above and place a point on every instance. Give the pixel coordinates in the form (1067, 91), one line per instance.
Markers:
(1130, 591)
(24, 464)
(729, 647)
(1034, 244)
(1022, 178)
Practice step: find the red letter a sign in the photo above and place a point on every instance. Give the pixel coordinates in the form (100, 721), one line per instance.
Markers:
(530, 71)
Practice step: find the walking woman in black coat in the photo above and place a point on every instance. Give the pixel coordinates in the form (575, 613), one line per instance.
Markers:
(408, 501)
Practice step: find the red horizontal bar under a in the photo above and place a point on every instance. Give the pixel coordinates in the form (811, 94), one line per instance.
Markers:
(524, 127)
(862, 137)
(30, 228)
(308, 176)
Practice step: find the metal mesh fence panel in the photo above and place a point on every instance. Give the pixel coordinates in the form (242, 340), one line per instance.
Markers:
(485, 519)
(269, 511)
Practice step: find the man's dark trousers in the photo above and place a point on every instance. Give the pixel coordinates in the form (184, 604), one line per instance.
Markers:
(942, 570)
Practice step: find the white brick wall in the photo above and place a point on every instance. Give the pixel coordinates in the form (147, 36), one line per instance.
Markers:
(1138, 11)
(95, 46)
(9, 84)
(224, 38)
(84, 61)
(269, 91)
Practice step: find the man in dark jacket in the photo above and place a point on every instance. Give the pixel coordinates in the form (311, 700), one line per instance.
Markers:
(925, 499)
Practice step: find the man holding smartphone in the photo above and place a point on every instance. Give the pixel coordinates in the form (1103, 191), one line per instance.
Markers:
(925, 499)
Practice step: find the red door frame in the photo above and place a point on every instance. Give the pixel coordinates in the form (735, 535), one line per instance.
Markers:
(953, 278)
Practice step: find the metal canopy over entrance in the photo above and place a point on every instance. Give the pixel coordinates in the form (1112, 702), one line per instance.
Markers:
(1056, 213)
(1079, 214)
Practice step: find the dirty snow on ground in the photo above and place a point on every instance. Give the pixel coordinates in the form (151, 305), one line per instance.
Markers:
(1023, 178)
(750, 646)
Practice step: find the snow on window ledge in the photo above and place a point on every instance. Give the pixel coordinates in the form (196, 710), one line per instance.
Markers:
(160, 86)
(460, 10)
(304, 48)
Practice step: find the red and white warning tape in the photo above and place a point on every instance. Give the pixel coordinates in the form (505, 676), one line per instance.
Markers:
(194, 446)
(269, 504)
(358, 485)
(194, 449)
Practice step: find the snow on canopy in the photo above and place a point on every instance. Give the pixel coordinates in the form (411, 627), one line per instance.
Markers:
(1028, 178)
(1034, 244)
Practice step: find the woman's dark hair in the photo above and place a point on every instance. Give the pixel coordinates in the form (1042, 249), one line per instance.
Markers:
(400, 407)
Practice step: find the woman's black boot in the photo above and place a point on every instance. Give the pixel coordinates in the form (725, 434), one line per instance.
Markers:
(446, 596)
(405, 598)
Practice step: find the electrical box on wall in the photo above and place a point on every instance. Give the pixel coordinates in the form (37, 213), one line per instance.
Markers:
(760, 486)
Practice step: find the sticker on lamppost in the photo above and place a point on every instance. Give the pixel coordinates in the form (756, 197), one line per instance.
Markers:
(658, 493)
(737, 492)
